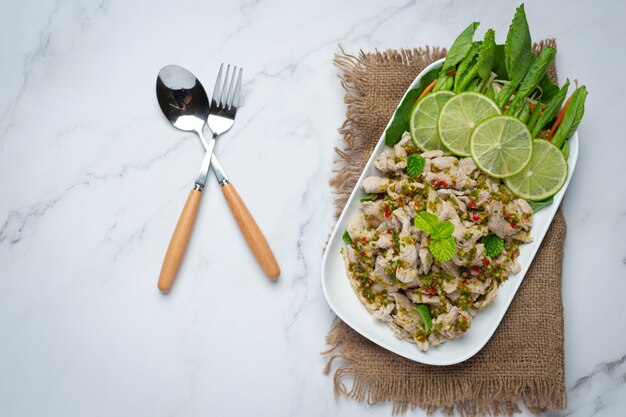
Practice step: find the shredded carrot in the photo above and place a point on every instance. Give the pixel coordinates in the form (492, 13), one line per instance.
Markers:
(428, 88)
(559, 119)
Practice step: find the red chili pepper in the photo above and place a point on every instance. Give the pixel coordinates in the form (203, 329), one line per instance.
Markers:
(475, 217)
(464, 282)
(471, 204)
(364, 240)
(436, 183)
(387, 214)
(444, 184)
(513, 225)
(388, 231)
(485, 261)
(454, 182)
(476, 268)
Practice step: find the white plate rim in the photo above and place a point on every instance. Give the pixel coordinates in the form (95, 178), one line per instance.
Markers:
(514, 280)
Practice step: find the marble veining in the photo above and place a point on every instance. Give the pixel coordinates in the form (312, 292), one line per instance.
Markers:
(93, 178)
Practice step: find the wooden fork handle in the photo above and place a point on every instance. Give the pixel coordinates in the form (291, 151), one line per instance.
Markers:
(251, 232)
(178, 244)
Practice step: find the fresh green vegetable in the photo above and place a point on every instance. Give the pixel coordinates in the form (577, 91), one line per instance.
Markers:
(534, 116)
(551, 111)
(368, 197)
(524, 113)
(443, 249)
(532, 78)
(486, 58)
(459, 48)
(565, 150)
(346, 238)
(415, 165)
(490, 93)
(480, 67)
(494, 245)
(442, 245)
(424, 313)
(572, 118)
(538, 205)
(518, 55)
(548, 89)
(465, 64)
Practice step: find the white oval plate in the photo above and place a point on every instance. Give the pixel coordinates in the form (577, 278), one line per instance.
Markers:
(344, 302)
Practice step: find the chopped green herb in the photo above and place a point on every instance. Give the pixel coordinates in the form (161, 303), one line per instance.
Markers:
(346, 238)
(368, 197)
(424, 313)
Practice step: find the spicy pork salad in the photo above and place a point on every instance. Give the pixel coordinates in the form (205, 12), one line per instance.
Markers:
(401, 249)
(476, 148)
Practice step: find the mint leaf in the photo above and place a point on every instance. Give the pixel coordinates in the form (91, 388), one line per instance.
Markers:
(426, 221)
(346, 238)
(493, 245)
(443, 249)
(415, 165)
(443, 230)
(424, 313)
(368, 197)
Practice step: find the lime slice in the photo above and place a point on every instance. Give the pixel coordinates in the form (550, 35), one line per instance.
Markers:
(458, 117)
(501, 146)
(543, 177)
(423, 121)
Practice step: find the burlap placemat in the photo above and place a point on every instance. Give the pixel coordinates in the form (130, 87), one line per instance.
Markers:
(523, 361)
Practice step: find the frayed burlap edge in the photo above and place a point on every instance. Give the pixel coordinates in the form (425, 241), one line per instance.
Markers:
(471, 399)
(349, 164)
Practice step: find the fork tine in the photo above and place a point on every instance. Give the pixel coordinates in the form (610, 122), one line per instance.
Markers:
(218, 86)
(225, 87)
(231, 90)
(237, 93)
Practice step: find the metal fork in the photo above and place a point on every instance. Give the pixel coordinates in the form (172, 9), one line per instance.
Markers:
(224, 105)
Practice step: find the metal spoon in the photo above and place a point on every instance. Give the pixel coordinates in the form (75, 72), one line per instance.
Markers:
(186, 105)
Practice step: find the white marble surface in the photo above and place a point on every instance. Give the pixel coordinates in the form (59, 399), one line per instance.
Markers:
(92, 179)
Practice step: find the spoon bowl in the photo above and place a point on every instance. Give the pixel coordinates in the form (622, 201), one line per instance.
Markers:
(182, 98)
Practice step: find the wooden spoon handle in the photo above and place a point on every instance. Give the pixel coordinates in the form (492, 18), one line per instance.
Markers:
(178, 243)
(251, 232)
